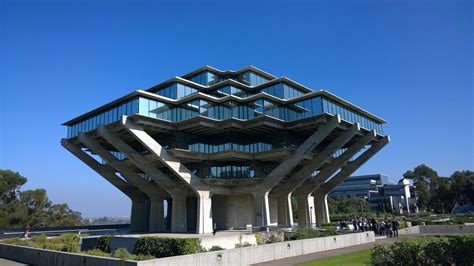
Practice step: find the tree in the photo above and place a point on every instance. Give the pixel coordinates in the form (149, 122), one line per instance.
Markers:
(10, 183)
(31, 207)
(347, 206)
(423, 177)
(463, 187)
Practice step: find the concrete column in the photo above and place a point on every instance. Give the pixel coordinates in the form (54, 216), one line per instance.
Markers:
(157, 219)
(285, 211)
(204, 215)
(261, 209)
(139, 216)
(178, 214)
(306, 216)
(321, 208)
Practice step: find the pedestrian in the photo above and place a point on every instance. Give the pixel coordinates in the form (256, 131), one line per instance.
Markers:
(354, 223)
(27, 233)
(214, 229)
(382, 227)
(395, 225)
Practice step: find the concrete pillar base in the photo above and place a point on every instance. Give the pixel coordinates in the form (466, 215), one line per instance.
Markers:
(285, 211)
(178, 214)
(204, 215)
(321, 207)
(306, 215)
(157, 219)
(261, 216)
(139, 218)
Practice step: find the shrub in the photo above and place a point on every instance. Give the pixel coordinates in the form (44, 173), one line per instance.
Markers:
(65, 242)
(141, 257)
(96, 252)
(305, 233)
(103, 243)
(243, 245)
(426, 251)
(216, 248)
(259, 238)
(13, 241)
(382, 255)
(165, 247)
(121, 253)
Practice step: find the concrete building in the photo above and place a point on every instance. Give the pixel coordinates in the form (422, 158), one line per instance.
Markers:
(381, 194)
(225, 147)
(360, 186)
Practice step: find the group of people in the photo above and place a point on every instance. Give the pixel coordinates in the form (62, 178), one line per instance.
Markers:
(388, 227)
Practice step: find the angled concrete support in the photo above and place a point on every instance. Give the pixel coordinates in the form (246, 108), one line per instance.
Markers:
(286, 189)
(261, 216)
(351, 167)
(148, 168)
(302, 175)
(156, 194)
(140, 201)
(321, 192)
(285, 167)
(201, 190)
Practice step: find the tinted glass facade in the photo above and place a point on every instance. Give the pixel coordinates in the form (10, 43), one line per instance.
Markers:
(289, 108)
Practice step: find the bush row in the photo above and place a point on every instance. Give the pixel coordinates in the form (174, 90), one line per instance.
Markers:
(165, 247)
(447, 250)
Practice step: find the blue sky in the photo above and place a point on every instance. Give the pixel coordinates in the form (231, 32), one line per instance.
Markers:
(410, 62)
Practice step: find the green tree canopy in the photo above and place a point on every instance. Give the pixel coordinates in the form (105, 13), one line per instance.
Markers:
(30, 208)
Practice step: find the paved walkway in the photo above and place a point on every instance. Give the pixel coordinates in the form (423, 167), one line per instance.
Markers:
(329, 253)
(5, 262)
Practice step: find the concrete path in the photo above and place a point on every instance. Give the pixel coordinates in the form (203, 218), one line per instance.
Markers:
(5, 262)
(329, 253)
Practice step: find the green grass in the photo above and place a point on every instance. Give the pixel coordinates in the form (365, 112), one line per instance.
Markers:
(356, 258)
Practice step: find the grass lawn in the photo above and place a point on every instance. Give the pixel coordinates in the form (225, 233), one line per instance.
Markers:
(356, 258)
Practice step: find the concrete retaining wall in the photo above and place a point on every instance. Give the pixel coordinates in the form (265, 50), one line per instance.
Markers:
(446, 229)
(40, 257)
(438, 229)
(263, 253)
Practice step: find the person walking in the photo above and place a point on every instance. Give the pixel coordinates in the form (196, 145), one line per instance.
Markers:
(382, 227)
(214, 227)
(354, 223)
(395, 225)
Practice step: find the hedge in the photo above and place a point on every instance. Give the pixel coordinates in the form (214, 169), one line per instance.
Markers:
(447, 250)
(166, 247)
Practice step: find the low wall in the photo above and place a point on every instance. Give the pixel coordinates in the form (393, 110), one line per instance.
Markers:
(263, 253)
(438, 229)
(224, 241)
(446, 229)
(40, 257)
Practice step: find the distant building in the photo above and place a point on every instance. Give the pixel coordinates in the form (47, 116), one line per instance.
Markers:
(382, 195)
(360, 186)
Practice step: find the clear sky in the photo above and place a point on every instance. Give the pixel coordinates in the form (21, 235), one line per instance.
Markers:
(409, 62)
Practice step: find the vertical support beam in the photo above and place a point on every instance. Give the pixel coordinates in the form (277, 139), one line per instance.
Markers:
(306, 216)
(204, 215)
(285, 211)
(261, 216)
(178, 217)
(139, 218)
(321, 208)
(157, 219)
